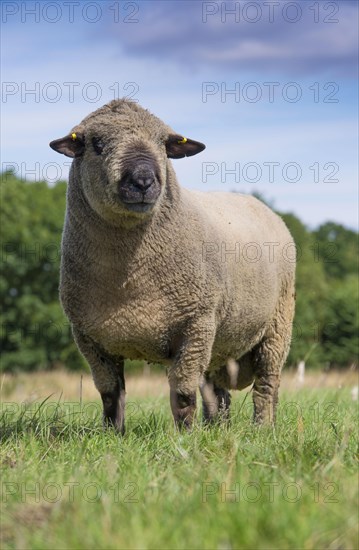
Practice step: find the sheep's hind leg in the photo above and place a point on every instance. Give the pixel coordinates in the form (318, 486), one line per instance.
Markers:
(265, 396)
(215, 401)
(269, 357)
(108, 375)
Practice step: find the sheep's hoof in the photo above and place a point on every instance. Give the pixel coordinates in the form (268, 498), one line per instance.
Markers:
(184, 418)
(261, 419)
(114, 424)
(222, 418)
(113, 411)
(183, 409)
(216, 404)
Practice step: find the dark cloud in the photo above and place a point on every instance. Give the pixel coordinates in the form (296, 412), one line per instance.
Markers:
(196, 33)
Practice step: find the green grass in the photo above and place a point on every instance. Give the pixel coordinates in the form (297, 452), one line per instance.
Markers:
(68, 484)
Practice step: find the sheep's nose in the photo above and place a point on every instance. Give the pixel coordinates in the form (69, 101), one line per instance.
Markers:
(143, 182)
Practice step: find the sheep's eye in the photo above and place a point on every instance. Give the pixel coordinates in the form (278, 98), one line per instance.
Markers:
(98, 145)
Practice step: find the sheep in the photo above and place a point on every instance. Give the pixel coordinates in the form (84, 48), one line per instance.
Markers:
(202, 283)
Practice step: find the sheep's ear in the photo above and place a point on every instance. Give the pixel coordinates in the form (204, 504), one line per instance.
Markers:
(72, 145)
(178, 147)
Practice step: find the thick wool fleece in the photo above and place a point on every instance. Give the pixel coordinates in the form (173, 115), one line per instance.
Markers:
(202, 280)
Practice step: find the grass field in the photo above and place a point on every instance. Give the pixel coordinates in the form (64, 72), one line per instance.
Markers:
(68, 484)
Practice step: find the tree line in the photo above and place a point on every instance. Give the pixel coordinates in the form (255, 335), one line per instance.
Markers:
(35, 334)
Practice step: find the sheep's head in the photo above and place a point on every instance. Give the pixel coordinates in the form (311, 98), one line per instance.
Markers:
(121, 153)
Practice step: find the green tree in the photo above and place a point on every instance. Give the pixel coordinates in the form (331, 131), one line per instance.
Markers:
(34, 331)
(311, 292)
(340, 333)
(338, 248)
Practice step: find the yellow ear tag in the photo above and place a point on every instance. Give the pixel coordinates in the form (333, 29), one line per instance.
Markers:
(74, 137)
(184, 140)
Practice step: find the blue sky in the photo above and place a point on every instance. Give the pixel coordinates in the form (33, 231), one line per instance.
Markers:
(287, 130)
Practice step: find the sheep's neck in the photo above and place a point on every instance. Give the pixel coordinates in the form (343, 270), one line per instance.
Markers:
(107, 244)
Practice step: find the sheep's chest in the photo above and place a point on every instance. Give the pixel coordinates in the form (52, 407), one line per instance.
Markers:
(123, 321)
(135, 332)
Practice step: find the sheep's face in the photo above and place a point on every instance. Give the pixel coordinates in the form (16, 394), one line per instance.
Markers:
(122, 154)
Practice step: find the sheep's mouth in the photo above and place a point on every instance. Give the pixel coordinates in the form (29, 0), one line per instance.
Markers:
(139, 206)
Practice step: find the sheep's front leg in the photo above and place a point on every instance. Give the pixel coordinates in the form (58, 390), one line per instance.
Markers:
(108, 376)
(191, 360)
(114, 402)
(183, 408)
